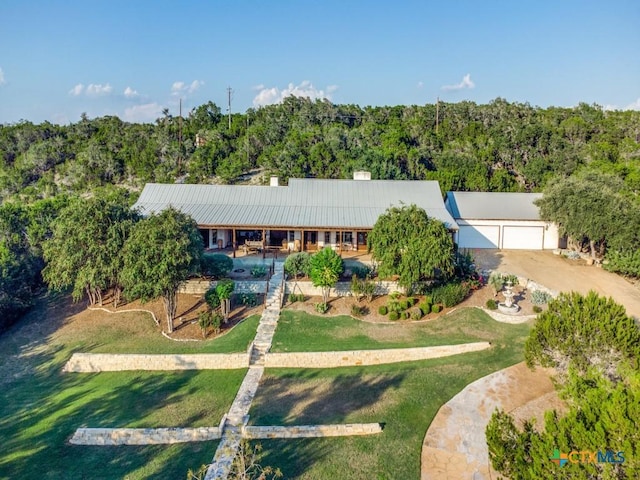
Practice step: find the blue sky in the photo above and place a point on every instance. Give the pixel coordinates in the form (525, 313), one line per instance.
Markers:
(133, 58)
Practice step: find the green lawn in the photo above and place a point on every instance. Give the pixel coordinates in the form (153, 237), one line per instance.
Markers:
(405, 397)
(136, 333)
(40, 407)
(300, 332)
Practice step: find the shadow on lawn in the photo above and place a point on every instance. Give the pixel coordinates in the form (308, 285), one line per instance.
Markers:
(40, 411)
(309, 398)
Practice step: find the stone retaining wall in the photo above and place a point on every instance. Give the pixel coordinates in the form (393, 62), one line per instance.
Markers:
(342, 289)
(143, 436)
(200, 287)
(366, 357)
(107, 362)
(312, 431)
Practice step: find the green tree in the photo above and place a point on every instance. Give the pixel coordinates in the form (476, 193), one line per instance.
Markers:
(225, 289)
(325, 268)
(161, 253)
(409, 244)
(297, 264)
(584, 332)
(594, 346)
(590, 206)
(84, 249)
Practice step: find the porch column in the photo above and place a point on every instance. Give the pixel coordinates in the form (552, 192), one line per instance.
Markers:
(233, 241)
(340, 241)
(302, 237)
(211, 238)
(264, 241)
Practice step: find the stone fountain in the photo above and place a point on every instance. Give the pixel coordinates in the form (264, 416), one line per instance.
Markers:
(508, 306)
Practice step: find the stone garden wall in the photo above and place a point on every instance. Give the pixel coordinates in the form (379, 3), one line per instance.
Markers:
(107, 362)
(366, 357)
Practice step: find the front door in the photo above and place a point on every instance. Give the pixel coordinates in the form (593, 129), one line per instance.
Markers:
(362, 241)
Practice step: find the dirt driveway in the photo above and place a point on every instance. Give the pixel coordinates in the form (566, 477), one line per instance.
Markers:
(561, 274)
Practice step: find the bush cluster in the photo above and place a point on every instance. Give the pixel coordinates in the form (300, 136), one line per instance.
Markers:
(321, 307)
(626, 263)
(435, 309)
(450, 294)
(537, 309)
(216, 265)
(382, 310)
(296, 297)
(540, 297)
(393, 316)
(425, 308)
(492, 304)
(258, 271)
(358, 311)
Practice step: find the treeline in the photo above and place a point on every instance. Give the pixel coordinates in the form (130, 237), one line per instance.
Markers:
(500, 146)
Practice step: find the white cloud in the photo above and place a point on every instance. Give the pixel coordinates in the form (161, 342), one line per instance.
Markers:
(143, 113)
(2, 80)
(130, 93)
(268, 96)
(465, 83)
(420, 84)
(181, 88)
(77, 90)
(634, 105)
(98, 89)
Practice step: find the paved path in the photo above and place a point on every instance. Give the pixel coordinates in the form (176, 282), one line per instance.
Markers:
(455, 447)
(561, 274)
(238, 415)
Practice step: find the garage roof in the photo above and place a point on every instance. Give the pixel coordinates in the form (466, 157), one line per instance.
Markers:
(493, 205)
(310, 203)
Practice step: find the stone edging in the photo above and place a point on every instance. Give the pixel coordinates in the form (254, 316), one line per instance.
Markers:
(503, 318)
(118, 362)
(127, 311)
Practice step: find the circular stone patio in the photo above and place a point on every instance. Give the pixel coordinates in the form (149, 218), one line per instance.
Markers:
(455, 446)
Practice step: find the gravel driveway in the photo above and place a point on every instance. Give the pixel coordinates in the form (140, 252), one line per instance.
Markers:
(561, 274)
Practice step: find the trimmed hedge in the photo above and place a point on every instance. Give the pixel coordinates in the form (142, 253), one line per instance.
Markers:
(382, 310)
(393, 316)
(435, 309)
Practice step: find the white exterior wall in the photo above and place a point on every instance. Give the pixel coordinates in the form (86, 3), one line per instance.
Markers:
(548, 231)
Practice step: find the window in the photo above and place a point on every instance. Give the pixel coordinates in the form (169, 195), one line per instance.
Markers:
(291, 235)
(347, 237)
(327, 237)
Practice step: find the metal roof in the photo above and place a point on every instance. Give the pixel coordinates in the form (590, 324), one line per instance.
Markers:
(493, 205)
(304, 203)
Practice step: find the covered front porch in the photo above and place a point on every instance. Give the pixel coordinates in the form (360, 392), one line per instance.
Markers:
(247, 241)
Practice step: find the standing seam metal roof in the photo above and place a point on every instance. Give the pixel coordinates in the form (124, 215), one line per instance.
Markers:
(493, 205)
(304, 203)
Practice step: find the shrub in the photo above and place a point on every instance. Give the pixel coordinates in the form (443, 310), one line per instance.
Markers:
(212, 298)
(394, 306)
(492, 304)
(393, 316)
(216, 265)
(321, 307)
(361, 271)
(382, 310)
(425, 308)
(537, 309)
(435, 308)
(297, 264)
(416, 314)
(450, 294)
(513, 279)
(496, 281)
(540, 297)
(626, 263)
(404, 316)
(258, 271)
(395, 295)
(358, 311)
(404, 304)
(249, 299)
(293, 298)
(411, 301)
(428, 299)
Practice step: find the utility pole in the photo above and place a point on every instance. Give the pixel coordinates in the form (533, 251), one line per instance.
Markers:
(180, 138)
(437, 113)
(229, 93)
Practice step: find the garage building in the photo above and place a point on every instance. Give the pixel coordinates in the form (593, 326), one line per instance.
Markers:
(501, 220)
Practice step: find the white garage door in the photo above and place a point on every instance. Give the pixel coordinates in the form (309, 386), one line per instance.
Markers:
(478, 236)
(523, 238)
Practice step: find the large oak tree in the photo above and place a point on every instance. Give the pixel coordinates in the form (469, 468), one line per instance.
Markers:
(161, 253)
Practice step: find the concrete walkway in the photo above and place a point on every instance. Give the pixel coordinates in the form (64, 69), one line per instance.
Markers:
(455, 445)
(238, 415)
